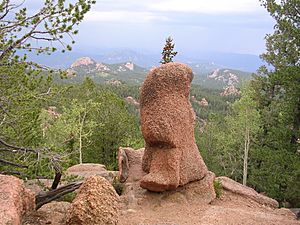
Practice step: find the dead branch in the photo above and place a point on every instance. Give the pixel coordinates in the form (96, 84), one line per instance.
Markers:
(17, 147)
(12, 172)
(13, 164)
(45, 197)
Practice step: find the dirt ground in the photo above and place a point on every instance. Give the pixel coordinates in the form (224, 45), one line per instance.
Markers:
(229, 209)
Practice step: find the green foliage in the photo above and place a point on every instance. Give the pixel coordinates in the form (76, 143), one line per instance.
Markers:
(26, 90)
(283, 46)
(23, 28)
(108, 124)
(226, 139)
(267, 116)
(168, 53)
(216, 104)
(218, 188)
(68, 197)
(276, 172)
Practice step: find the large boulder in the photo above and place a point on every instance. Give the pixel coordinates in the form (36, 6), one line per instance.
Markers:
(15, 200)
(96, 203)
(171, 157)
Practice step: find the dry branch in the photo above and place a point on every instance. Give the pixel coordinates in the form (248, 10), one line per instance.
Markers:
(45, 197)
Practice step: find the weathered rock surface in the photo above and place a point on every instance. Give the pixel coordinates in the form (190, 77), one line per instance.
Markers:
(171, 157)
(38, 185)
(85, 170)
(96, 203)
(130, 173)
(196, 192)
(15, 200)
(130, 164)
(134, 197)
(51, 213)
(237, 188)
(231, 208)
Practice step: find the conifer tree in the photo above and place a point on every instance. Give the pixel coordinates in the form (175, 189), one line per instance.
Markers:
(168, 53)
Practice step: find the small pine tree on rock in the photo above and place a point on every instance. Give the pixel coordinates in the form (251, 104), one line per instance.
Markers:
(168, 53)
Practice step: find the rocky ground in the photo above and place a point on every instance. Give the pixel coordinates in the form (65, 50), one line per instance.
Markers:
(180, 207)
(229, 209)
(195, 203)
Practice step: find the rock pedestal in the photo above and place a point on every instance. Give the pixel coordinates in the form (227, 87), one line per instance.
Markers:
(171, 157)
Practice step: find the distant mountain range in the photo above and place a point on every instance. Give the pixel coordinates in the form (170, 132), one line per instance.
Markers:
(244, 62)
(117, 73)
(206, 74)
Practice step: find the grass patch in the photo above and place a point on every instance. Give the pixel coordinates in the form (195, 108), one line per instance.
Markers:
(218, 188)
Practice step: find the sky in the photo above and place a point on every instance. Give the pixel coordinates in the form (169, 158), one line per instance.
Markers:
(227, 26)
(197, 26)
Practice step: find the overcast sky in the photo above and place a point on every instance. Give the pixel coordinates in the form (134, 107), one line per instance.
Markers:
(237, 26)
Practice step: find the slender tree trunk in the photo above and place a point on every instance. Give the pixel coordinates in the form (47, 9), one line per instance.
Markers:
(80, 137)
(246, 153)
(80, 147)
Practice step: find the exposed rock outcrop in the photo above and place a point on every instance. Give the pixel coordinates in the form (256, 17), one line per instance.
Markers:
(85, 170)
(102, 67)
(84, 61)
(15, 200)
(203, 101)
(237, 188)
(130, 172)
(129, 65)
(132, 101)
(130, 164)
(171, 157)
(230, 90)
(96, 203)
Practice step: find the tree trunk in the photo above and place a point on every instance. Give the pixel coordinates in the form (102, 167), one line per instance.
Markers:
(80, 146)
(56, 180)
(246, 153)
(80, 137)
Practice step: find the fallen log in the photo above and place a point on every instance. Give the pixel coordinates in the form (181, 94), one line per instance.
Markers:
(47, 196)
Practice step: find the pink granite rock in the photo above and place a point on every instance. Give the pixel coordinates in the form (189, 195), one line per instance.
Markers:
(15, 200)
(96, 203)
(237, 188)
(171, 157)
(130, 164)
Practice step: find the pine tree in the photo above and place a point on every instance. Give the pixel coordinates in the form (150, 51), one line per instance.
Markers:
(168, 53)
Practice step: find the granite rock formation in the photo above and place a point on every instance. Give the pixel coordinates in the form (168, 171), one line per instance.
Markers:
(171, 157)
(130, 164)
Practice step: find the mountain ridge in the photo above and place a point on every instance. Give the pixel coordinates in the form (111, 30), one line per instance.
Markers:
(244, 62)
(206, 74)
